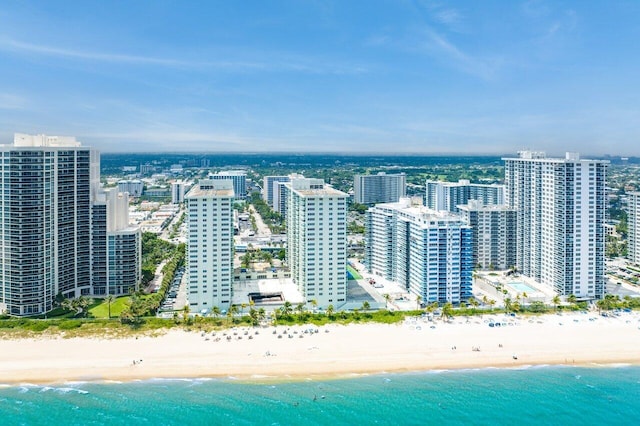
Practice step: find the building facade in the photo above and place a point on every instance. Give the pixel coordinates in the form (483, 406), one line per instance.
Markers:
(268, 187)
(47, 183)
(427, 252)
(493, 234)
(317, 240)
(446, 196)
(379, 188)
(561, 205)
(239, 179)
(117, 246)
(633, 224)
(178, 189)
(135, 187)
(209, 257)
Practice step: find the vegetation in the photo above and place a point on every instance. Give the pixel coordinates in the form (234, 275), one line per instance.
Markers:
(272, 219)
(144, 305)
(154, 251)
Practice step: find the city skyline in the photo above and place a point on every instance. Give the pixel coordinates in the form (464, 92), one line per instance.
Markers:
(387, 77)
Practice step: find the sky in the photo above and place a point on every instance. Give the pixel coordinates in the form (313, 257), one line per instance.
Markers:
(396, 76)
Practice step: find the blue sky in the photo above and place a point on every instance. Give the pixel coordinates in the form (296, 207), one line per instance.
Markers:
(348, 76)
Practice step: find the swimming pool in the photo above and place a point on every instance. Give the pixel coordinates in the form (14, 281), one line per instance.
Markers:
(521, 288)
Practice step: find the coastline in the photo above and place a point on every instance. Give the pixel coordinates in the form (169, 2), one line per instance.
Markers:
(333, 352)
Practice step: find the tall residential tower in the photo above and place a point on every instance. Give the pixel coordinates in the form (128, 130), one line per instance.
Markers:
(427, 252)
(47, 185)
(561, 205)
(210, 244)
(379, 188)
(317, 240)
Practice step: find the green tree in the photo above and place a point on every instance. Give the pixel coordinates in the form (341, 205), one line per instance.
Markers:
(556, 302)
(330, 311)
(110, 299)
(447, 310)
(366, 306)
(215, 311)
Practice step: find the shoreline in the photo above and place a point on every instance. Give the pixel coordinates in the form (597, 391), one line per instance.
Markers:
(576, 340)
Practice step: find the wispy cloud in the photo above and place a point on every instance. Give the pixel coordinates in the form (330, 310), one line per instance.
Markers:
(276, 63)
(10, 101)
(439, 45)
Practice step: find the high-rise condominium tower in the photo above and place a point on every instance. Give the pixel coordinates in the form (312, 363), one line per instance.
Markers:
(239, 179)
(379, 188)
(448, 195)
(427, 252)
(210, 244)
(561, 206)
(268, 187)
(317, 240)
(494, 234)
(47, 184)
(633, 220)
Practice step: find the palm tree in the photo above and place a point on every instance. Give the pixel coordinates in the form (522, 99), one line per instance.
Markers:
(329, 311)
(492, 303)
(418, 300)
(366, 306)
(215, 311)
(447, 310)
(572, 299)
(110, 299)
(314, 303)
(185, 312)
(485, 300)
(286, 309)
(474, 304)
(300, 309)
(387, 298)
(524, 298)
(507, 304)
(556, 302)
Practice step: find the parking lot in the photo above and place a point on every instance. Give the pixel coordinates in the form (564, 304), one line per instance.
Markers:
(176, 295)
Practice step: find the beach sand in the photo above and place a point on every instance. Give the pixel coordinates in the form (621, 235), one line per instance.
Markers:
(575, 339)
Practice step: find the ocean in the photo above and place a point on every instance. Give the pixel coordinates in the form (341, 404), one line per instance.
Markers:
(527, 396)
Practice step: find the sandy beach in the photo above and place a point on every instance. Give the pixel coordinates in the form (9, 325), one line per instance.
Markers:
(332, 351)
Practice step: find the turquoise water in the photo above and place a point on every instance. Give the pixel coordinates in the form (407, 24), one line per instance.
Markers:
(522, 288)
(533, 396)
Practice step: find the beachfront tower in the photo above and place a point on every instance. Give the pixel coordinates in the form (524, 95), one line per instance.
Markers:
(446, 196)
(427, 252)
(210, 244)
(379, 188)
(561, 205)
(494, 234)
(47, 184)
(317, 240)
(116, 259)
(633, 220)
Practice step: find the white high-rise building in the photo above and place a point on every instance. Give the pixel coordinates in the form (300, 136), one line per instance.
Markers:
(379, 188)
(116, 245)
(210, 244)
(268, 187)
(132, 187)
(317, 240)
(280, 195)
(178, 189)
(239, 179)
(427, 252)
(494, 234)
(447, 196)
(633, 221)
(561, 205)
(47, 185)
